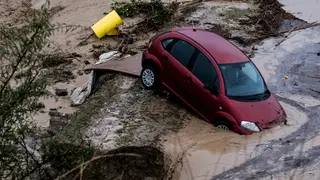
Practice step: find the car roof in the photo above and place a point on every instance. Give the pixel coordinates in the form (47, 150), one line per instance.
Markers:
(223, 51)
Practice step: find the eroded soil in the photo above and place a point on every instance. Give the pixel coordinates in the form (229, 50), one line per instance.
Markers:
(132, 116)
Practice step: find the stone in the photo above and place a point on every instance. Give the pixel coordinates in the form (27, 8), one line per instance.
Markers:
(97, 46)
(80, 72)
(87, 71)
(78, 96)
(87, 62)
(54, 113)
(61, 92)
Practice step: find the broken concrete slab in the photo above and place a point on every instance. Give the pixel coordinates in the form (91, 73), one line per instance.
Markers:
(129, 65)
(78, 96)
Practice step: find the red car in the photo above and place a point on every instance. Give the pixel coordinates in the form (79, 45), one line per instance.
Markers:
(212, 76)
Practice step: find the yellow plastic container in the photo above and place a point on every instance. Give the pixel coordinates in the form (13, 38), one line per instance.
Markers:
(107, 24)
(113, 32)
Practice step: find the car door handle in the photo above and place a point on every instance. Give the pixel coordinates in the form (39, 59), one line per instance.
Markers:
(165, 58)
(189, 79)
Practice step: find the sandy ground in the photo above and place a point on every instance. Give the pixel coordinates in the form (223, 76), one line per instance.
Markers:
(134, 116)
(306, 10)
(78, 16)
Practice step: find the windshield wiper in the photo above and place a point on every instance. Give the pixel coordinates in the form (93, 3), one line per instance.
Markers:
(259, 96)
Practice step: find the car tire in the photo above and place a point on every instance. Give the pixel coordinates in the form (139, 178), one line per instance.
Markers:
(223, 125)
(149, 77)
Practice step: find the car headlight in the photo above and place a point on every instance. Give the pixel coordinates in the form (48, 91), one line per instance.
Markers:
(250, 126)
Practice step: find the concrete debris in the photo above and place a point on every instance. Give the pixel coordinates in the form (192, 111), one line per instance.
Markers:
(54, 112)
(108, 56)
(57, 123)
(61, 92)
(79, 95)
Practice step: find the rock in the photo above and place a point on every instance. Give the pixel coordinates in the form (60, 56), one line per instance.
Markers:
(80, 72)
(57, 123)
(68, 116)
(108, 56)
(54, 113)
(49, 170)
(108, 46)
(87, 62)
(40, 105)
(76, 55)
(51, 132)
(97, 46)
(61, 92)
(150, 178)
(97, 54)
(78, 96)
(87, 71)
(124, 49)
(130, 40)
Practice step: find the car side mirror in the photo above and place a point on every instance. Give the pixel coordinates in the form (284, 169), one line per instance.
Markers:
(213, 89)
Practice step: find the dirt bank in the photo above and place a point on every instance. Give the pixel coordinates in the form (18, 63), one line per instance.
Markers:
(124, 114)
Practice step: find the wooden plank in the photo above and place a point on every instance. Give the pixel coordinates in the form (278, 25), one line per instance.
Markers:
(130, 65)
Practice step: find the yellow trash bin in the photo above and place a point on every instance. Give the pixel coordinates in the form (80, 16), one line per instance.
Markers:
(113, 32)
(107, 24)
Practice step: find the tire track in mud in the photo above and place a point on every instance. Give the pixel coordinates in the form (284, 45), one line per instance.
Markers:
(276, 152)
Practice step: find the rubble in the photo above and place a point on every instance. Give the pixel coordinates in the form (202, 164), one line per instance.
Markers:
(61, 92)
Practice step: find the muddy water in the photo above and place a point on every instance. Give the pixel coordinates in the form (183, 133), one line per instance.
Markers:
(306, 10)
(62, 104)
(208, 151)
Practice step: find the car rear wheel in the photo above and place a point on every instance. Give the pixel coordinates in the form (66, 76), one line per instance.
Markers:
(223, 125)
(149, 77)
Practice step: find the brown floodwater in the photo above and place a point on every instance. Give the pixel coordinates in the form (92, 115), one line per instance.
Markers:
(62, 104)
(208, 151)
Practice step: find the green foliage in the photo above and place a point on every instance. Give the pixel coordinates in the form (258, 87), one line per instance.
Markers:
(21, 52)
(156, 12)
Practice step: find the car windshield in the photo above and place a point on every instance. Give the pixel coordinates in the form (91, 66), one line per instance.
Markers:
(242, 80)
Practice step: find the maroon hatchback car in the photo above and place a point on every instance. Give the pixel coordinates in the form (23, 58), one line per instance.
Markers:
(212, 76)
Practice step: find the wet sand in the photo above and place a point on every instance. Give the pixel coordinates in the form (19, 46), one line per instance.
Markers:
(213, 151)
(306, 10)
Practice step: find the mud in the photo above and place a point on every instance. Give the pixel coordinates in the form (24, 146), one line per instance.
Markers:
(213, 14)
(62, 104)
(213, 152)
(133, 116)
(75, 19)
(307, 11)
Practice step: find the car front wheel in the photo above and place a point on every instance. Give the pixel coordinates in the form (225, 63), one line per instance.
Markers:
(223, 125)
(149, 77)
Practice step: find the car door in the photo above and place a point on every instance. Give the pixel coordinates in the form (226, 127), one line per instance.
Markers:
(202, 72)
(174, 60)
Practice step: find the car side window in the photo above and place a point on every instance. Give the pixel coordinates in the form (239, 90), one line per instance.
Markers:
(204, 70)
(166, 42)
(182, 51)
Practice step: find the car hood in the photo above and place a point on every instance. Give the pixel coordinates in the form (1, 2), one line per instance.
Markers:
(263, 112)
